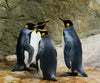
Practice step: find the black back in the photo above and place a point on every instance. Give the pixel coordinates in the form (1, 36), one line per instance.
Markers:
(48, 56)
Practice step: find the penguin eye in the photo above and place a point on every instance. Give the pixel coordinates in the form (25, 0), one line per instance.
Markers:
(26, 26)
(67, 25)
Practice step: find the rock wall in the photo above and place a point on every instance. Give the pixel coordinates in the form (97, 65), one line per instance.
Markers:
(14, 14)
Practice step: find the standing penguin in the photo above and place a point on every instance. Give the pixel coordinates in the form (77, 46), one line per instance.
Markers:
(47, 57)
(72, 50)
(23, 44)
(35, 37)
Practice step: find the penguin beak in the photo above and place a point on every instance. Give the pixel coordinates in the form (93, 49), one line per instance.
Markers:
(47, 21)
(35, 26)
(61, 20)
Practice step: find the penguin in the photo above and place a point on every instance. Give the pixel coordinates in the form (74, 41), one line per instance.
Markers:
(72, 50)
(35, 37)
(41, 26)
(23, 44)
(46, 57)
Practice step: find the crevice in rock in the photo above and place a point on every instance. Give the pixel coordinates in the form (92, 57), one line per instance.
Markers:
(7, 4)
(3, 6)
(3, 17)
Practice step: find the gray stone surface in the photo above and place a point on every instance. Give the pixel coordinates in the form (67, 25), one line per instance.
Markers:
(14, 14)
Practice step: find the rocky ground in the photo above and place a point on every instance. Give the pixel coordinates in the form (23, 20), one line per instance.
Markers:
(91, 64)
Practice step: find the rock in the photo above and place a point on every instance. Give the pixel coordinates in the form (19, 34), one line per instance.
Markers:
(11, 58)
(19, 74)
(14, 14)
(10, 78)
(91, 52)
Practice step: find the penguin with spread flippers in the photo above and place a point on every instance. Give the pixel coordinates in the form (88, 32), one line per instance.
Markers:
(72, 50)
(46, 57)
(23, 44)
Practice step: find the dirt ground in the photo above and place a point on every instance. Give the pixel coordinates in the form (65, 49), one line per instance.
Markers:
(91, 64)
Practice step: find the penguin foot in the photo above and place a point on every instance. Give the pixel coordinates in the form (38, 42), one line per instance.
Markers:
(29, 69)
(51, 79)
(35, 66)
(85, 75)
(69, 74)
(54, 79)
(17, 67)
(13, 70)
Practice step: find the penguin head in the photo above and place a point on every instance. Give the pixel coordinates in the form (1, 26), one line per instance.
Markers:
(32, 26)
(43, 32)
(42, 24)
(67, 23)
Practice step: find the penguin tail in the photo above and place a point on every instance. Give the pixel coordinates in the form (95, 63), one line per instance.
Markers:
(81, 71)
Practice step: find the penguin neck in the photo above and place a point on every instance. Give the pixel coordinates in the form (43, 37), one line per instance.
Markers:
(45, 35)
(27, 31)
(68, 28)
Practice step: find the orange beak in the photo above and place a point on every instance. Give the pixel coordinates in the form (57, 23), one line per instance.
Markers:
(61, 20)
(35, 26)
(44, 23)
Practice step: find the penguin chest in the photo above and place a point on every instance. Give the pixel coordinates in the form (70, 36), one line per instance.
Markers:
(34, 41)
(68, 37)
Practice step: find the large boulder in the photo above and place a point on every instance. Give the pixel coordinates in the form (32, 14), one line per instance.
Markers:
(14, 14)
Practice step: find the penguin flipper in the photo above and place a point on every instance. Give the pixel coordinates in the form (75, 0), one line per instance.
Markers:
(67, 55)
(30, 50)
(30, 56)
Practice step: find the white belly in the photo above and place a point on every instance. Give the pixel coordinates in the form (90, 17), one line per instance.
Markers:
(34, 41)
